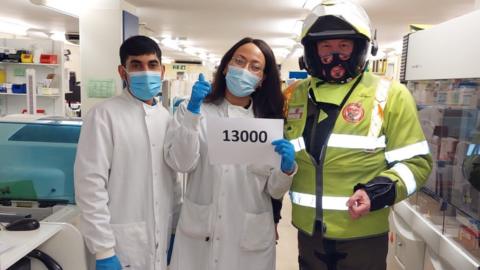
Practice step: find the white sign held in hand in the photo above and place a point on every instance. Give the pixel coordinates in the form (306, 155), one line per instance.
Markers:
(243, 140)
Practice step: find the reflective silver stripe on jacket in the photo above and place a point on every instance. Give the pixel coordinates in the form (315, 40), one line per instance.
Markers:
(356, 141)
(328, 202)
(298, 144)
(370, 142)
(407, 177)
(407, 152)
(376, 120)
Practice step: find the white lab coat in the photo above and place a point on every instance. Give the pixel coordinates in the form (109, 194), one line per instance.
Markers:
(226, 221)
(123, 187)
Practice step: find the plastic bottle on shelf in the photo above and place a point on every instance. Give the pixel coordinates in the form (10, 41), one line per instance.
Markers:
(37, 51)
(468, 94)
(427, 93)
(441, 93)
(453, 97)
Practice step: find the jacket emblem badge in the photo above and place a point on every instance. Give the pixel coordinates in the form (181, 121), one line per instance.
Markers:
(295, 112)
(353, 113)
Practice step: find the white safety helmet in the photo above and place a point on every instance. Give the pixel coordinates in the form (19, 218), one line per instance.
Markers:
(337, 19)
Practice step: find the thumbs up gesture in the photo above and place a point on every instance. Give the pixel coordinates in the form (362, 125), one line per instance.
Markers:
(200, 90)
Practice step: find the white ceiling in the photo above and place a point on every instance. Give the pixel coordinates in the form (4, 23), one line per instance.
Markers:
(215, 25)
(37, 17)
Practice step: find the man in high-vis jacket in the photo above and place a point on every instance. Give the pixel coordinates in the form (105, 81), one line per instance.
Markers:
(359, 144)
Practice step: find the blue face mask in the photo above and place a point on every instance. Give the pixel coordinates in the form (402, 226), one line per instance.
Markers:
(241, 82)
(145, 85)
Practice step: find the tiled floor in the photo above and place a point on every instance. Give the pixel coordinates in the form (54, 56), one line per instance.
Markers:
(287, 244)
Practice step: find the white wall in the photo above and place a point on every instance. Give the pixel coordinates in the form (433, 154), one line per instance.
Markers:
(290, 64)
(191, 70)
(101, 37)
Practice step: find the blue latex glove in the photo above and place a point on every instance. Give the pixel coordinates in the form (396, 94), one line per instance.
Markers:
(287, 151)
(110, 263)
(200, 90)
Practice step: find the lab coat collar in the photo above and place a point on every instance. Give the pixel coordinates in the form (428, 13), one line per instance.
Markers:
(147, 108)
(238, 111)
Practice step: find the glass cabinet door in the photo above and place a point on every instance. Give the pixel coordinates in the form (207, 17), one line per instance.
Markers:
(449, 114)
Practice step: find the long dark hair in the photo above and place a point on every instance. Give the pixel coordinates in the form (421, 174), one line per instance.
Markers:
(268, 99)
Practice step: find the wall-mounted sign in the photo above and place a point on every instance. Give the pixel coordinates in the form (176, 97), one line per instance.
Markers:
(179, 67)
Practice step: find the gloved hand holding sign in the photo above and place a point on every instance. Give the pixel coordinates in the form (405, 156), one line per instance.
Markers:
(286, 150)
(110, 263)
(200, 90)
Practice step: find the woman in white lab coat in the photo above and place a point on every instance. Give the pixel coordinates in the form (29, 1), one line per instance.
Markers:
(226, 219)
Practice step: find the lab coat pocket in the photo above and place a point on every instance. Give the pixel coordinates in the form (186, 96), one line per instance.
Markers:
(258, 231)
(195, 220)
(262, 171)
(131, 244)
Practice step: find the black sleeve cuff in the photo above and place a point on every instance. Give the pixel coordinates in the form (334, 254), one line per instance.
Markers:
(380, 190)
(277, 208)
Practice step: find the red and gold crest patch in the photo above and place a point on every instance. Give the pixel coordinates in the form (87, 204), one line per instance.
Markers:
(295, 113)
(353, 113)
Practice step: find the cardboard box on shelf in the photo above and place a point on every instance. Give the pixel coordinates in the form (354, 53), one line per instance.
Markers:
(432, 114)
(48, 91)
(48, 59)
(468, 237)
(448, 147)
(467, 94)
(423, 93)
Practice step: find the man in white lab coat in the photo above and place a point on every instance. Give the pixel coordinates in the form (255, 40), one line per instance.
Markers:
(125, 191)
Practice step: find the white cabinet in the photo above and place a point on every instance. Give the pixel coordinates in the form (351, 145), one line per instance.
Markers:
(420, 240)
(434, 262)
(406, 249)
(49, 100)
(446, 51)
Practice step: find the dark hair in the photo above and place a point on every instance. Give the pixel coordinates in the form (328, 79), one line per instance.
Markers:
(139, 45)
(268, 99)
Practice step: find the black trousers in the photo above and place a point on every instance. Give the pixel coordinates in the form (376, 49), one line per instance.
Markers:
(318, 253)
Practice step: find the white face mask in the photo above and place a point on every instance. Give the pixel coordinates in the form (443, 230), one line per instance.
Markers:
(145, 85)
(241, 82)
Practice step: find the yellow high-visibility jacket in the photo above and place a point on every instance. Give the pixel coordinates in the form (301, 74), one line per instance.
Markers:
(376, 134)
